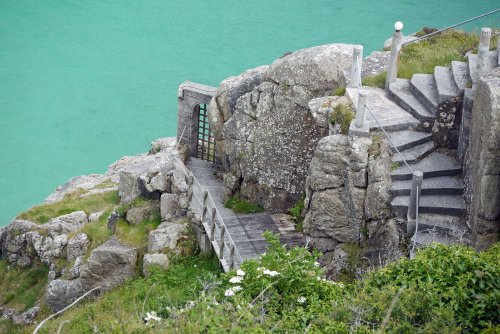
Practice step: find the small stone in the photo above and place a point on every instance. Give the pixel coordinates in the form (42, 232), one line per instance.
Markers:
(157, 259)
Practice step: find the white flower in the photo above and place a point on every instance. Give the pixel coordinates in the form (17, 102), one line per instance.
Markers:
(237, 288)
(270, 273)
(229, 293)
(235, 279)
(316, 264)
(261, 269)
(301, 300)
(150, 316)
(240, 272)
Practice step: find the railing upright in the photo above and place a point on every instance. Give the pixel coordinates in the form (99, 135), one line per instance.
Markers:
(392, 68)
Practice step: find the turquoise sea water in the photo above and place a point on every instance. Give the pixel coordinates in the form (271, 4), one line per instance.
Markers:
(83, 83)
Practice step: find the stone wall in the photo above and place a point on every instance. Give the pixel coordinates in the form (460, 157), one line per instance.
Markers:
(265, 131)
(482, 162)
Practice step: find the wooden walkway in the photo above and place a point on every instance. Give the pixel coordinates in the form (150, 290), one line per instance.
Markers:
(234, 237)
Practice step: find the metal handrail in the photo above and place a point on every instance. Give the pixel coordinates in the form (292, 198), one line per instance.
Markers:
(450, 27)
(229, 240)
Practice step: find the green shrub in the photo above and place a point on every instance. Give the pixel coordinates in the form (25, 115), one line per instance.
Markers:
(296, 213)
(342, 114)
(239, 205)
(377, 80)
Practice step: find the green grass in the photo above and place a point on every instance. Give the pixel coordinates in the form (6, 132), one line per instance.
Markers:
(122, 310)
(21, 287)
(239, 205)
(377, 80)
(342, 114)
(136, 235)
(339, 91)
(41, 214)
(296, 213)
(97, 231)
(439, 50)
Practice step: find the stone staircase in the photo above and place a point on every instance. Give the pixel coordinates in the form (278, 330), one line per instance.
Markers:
(442, 207)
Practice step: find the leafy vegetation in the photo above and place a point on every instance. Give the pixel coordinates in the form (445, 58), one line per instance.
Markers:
(342, 114)
(377, 80)
(296, 213)
(123, 310)
(21, 287)
(71, 202)
(340, 91)
(239, 205)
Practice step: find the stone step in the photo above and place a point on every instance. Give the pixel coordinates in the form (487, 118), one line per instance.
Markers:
(423, 86)
(406, 139)
(472, 63)
(452, 226)
(453, 205)
(414, 154)
(444, 185)
(400, 92)
(395, 124)
(446, 87)
(425, 238)
(434, 165)
(460, 72)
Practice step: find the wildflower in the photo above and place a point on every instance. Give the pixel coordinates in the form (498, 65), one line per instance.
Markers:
(270, 273)
(229, 293)
(261, 269)
(235, 279)
(151, 316)
(301, 299)
(240, 272)
(316, 264)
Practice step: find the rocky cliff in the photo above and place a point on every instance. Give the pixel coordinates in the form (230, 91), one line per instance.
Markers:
(265, 132)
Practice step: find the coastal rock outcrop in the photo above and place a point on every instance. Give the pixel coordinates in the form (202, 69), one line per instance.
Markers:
(347, 202)
(108, 266)
(264, 128)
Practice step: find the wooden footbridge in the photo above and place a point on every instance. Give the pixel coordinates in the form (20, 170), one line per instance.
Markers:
(234, 237)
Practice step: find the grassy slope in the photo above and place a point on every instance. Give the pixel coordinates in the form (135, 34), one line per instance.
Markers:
(123, 309)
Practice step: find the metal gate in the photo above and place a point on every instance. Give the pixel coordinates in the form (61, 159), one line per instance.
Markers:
(205, 148)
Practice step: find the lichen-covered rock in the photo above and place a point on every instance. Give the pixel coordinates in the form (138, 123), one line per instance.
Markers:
(336, 194)
(156, 259)
(77, 246)
(378, 197)
(266, 132)
(108, 266)
(147, 211)
(166, 236)
(169, 206)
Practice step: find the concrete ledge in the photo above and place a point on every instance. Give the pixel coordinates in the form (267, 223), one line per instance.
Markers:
(359, 132)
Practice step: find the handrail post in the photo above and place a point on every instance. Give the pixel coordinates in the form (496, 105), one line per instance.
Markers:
(483, 49)
(221, 246)
(212, 225)
(357, 56)
(205, 197)
(498, 49)
(204, 214)
(231, 258)
(416, 187)
(360, 109)
(392, 69)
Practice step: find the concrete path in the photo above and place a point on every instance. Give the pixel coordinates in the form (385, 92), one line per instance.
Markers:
(245, 230)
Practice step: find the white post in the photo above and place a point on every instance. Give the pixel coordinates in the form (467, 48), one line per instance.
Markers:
(392, 69)
(483, 49)
(360, 110)
(357, 56)
(498, 50)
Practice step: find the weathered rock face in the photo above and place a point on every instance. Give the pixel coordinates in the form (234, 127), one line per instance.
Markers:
(167, 235)
(147, 211)
(482, 171)
(108, 266)
(265, 131)
(22, 241)
(347, 202)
